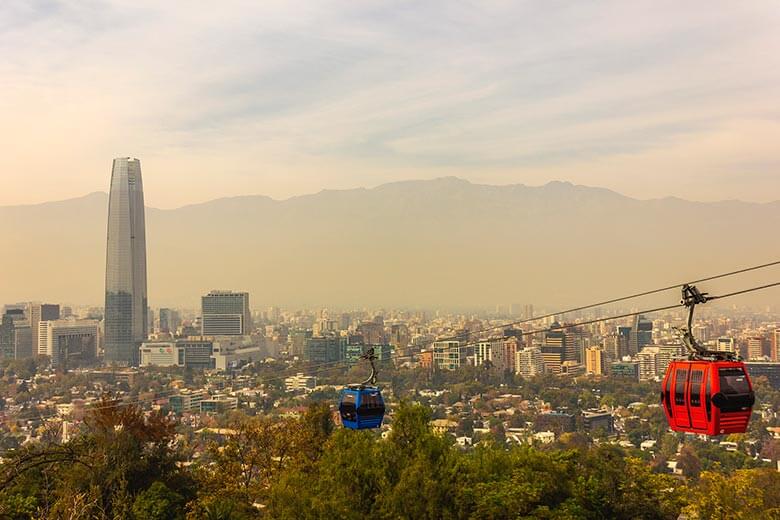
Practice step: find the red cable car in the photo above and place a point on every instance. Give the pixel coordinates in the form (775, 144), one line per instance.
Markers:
(711, 392)
(709, 397)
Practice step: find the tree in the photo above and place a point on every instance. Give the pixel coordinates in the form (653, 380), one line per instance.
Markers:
(99, 473)
(259, 450)
(688, 461)
(158, 502)
(745, 495)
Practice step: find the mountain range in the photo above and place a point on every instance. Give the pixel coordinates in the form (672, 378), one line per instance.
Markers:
(434, 243)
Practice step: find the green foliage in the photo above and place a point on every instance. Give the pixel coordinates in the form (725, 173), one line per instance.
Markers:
(123, 457)
(17, 505)
(416, 474)
(158, 502)
(125, 466)
(744, 495)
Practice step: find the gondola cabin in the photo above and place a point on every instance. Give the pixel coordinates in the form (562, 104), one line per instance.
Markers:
(361, 407)
(708, 397)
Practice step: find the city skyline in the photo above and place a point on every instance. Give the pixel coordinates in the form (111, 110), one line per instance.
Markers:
(288, 98)
(526, 249)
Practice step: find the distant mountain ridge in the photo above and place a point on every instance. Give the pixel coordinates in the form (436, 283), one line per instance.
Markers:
(441, 242)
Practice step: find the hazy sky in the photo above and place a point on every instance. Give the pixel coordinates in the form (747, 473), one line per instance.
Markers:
(283, 97)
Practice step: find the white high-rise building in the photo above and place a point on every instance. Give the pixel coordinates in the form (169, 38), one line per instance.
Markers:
(726, 345)
(648, 363)
(529, 362)
(492, 351)
(69, 341)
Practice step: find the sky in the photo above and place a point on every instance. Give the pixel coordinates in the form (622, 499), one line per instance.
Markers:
(281, 98)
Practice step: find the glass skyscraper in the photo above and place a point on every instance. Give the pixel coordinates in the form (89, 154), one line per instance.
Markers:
(126, 298)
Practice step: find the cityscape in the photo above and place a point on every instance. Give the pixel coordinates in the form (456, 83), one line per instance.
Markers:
(420, 261)
(514, 375)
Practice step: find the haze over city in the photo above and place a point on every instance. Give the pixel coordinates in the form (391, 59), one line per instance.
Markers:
(389, 259)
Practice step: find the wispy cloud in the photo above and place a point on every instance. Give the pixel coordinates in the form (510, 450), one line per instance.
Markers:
(284, 97)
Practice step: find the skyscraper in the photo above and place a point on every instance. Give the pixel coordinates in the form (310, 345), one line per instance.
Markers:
(126, 297)
(641, 334)
(169, 321)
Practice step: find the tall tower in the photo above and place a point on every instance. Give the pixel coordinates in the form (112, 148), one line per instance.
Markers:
(126, 299)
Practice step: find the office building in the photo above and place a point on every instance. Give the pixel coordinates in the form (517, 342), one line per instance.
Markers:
(755, 347)
(38, 312)
(774, 353)
(598, 421)
(726, 345)
(187, 401)
(425, 359)
(529, 362)
(296, 341)
(510, 346)
(7, 336)
(575, 345)
(595, 361)
(491, 353)
(448, 355)
(189, 353)
(554, 350)
(69, 342)
(572, 368)
(325, 349)
(231, 352)
(226, 313)
(169, 321)
(641, 335)
(623, 342)
(126, 308)
(648, 363)
(218, 404)
(300, 382)
(627, 369)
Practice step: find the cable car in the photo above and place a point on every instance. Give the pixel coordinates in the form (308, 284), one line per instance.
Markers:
(709, 397)
(361, 405)
(709, 393)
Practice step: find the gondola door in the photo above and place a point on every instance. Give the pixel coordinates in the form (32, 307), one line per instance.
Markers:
(680, 396)
(697, 395)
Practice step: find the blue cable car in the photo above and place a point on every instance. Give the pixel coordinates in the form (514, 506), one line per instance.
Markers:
(361, 405)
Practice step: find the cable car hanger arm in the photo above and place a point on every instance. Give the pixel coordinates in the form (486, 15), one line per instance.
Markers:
(691, 296)
(369, 355)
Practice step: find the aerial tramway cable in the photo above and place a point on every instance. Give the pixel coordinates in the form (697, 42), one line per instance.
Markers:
(321, 367)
